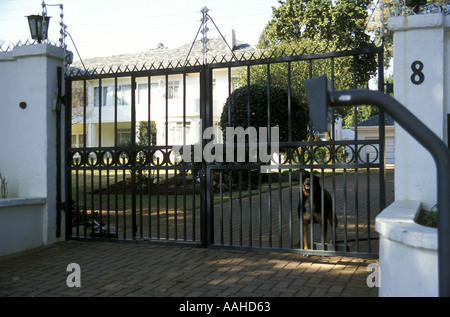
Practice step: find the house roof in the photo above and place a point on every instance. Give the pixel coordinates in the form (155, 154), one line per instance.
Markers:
(374, 121)
(181, 56)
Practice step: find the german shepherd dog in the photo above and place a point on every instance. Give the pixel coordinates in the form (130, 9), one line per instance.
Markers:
(312, 198)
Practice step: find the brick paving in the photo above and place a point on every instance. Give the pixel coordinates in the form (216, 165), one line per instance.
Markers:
(139, 269)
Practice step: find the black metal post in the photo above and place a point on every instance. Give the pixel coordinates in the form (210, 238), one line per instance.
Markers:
(207, 199)
(59, 205)
(448, 130)
(132, 158)
(429, 140)
(68, 160)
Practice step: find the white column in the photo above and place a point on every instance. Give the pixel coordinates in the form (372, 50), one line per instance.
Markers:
(28, 75)
(422, 84)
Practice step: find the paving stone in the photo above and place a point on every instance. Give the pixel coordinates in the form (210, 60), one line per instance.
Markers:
(110, 270)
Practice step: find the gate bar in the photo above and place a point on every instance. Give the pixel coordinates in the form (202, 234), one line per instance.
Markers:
(427, 138)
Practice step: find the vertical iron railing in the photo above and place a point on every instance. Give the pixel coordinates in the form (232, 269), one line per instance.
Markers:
(266, 218)
(124, 191)
(120, 190)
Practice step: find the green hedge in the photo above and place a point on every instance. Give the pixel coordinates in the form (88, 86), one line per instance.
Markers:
(257, 95)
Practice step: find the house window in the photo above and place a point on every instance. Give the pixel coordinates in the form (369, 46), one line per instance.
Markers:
(321, 135)
(123, 137)
(176, 133)
(143, 92)
(174, 87)
(123, 96)
(77, 140)
(107, 96)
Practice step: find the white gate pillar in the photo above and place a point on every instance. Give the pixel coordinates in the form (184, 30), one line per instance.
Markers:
(410, 255)
(28, 129)
(422, 84)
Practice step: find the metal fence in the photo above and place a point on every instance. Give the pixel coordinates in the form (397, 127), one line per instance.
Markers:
(125, 181)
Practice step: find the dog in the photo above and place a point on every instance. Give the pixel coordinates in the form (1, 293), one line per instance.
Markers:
(312, 199)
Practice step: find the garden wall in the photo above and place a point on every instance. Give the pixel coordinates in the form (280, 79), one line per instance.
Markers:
(28, 94)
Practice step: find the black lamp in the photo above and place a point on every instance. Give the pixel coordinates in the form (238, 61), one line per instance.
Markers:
(37, 29)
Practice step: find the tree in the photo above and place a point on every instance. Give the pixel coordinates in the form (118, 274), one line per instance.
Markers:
(146, 137)
(248, 106)
(79, 108)
(377, 27)
(308, 27)
(317, 25)
(255, 97)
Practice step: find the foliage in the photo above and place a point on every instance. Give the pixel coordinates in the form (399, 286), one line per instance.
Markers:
(78, 102)
(3, 186)
(146, 137)
(235, 112)
(428, 218)
(308, 27)
(362, 114)
(326, 24)
(248, 106)
(431, 218)
(377, 27)
(377, 24)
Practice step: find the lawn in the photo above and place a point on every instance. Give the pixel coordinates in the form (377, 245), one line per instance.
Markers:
(90, 188)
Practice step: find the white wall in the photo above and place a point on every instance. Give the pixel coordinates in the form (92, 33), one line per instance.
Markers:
(28, 136)
(21, 224)
(408, 252)
(370, 133)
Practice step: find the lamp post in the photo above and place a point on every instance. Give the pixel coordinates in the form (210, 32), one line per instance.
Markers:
(38, 27)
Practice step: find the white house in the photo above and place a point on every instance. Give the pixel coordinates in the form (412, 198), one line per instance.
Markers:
(171, 103)
(174, 99)
(369, 130)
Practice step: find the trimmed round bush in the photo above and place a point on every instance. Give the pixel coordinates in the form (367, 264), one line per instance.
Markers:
(258, 97)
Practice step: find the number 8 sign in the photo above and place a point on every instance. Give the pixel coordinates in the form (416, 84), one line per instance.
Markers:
(417, 76)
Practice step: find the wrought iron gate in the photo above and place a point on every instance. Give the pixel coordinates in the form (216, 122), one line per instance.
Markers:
(125, 180)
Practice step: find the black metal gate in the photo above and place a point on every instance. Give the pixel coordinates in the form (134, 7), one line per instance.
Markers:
(125, 179)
